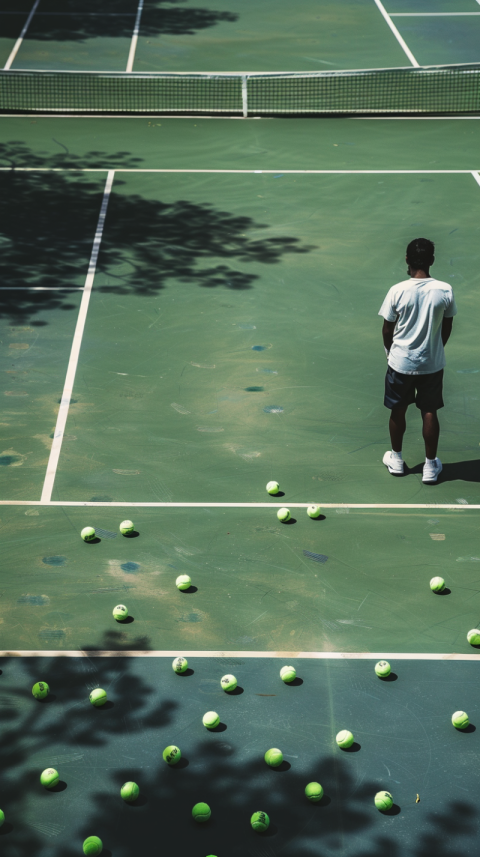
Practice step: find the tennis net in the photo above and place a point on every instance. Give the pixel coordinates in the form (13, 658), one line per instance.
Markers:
(432, 89)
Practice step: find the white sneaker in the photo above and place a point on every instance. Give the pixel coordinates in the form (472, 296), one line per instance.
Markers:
(431, 470)
(394, 463)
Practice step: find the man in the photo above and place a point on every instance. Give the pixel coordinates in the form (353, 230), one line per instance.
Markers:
(418, 317)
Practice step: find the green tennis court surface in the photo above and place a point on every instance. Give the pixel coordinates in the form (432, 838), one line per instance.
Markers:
(228, 36)
(405, 743)
(232, 337)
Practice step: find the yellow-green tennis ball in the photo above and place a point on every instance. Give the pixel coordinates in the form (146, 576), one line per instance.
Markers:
(273, 487)
(383, 801)
(120, 612)
(87, 534)
(129, 792)
(273, 757)
(288, 674)
(314, 511)
(437, 584)
(49, 778)
(211, 719)
(40, 690)
(228, 682)
(460, 720)
(126, 527)
(283, 515)
(172, 755)
(92, 846)
(98, 697)
(314, 792)
(183, 581)
(383, 669)
(2, 817)
(201, 812)
(344, 739)
(180, 665)
(473, 637)
(260, 821)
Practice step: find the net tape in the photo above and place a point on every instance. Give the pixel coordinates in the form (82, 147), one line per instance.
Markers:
(433, 89)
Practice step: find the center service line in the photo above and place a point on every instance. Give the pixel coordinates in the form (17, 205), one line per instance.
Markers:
(136, 30)
(76, 344)
(395, 32)
(21, 37)
(337, 656)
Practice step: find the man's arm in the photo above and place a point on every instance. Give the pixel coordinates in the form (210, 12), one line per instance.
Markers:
(388, 330)
(446, 329)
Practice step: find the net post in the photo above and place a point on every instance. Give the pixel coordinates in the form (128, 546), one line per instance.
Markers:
(244, 96)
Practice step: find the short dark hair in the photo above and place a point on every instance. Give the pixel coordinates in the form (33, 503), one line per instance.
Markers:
(420, 253)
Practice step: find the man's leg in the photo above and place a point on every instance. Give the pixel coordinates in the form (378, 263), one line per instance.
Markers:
(431, 433)
(397, 426)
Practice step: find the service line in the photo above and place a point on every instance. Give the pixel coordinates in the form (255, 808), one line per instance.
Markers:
(127, 505)
(334, 656)
(76, 344)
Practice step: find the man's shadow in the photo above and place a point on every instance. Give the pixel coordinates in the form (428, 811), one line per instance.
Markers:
(466, 471)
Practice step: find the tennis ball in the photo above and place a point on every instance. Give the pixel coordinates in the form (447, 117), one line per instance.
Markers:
(98, 697)
(460, 720)
(49, 778)
(87, 534)
(344, 739)
(283, 515)
(201, 812)
(273, 757)
(314, 511)
(273, 487)
(383, 669)
(2, 817)
(40, 690)
(126, 527)
(473, 637)
(260, 821)
(120, 612)
(288, 674)
(93, 845)
(211, 720)
(172, 754)
(129, 792)
(314, 792)
(183, 582)
(180, 665)
(383, 801)
(437, 584)
(228, 682)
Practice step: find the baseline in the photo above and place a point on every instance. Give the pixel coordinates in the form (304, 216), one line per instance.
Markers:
(238, 172)
(75, 352)
(338, 656)
(152, 505)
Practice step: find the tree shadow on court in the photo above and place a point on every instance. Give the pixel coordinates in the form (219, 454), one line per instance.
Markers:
(49, 221)
(463, 471)
(96, 750)
(116, 21)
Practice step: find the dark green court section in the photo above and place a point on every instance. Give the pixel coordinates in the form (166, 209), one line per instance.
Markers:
(442, 40)
(233, 337)
(251, 36)
(405, 743)
(48, 226)
(251, 144)
(357, 580)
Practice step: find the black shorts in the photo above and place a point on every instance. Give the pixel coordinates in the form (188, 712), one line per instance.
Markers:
(424, 390)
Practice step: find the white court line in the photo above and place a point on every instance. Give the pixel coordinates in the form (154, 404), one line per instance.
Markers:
(238, 172)
(395, 32)
(21, 37)
(430, 14)
(41, 288)
(136, 30)
(333, 656)
(475, 173)
(127, 504)
(75, 352)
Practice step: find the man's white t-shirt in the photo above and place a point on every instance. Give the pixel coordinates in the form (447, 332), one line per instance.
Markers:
(418, 307)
